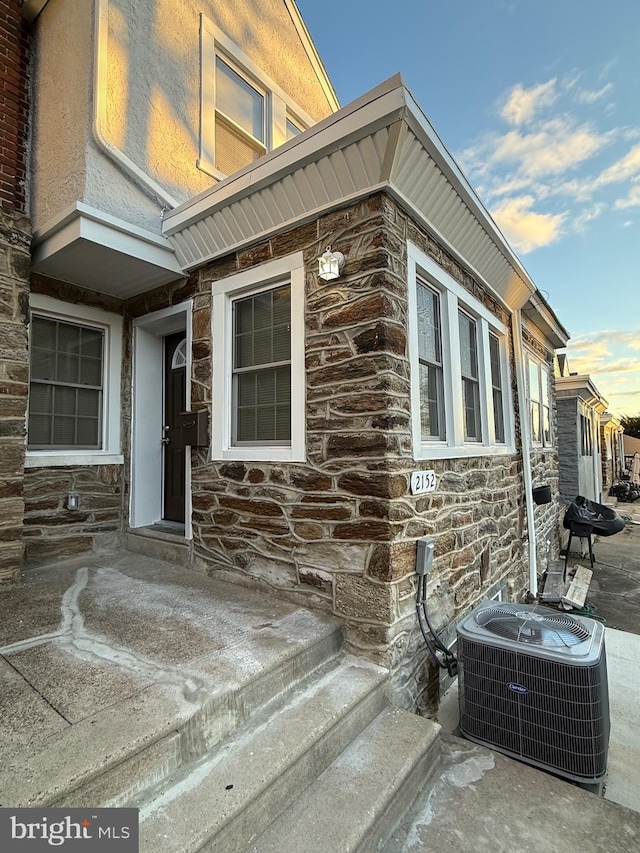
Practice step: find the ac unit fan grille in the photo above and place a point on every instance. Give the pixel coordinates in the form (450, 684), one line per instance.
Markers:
(535, 626)
(561, 722)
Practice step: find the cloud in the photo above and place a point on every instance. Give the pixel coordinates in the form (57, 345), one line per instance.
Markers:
(623, 169)
(522, 104)
(553, 149)
(585, 96)
(525, 229)
(580, 222)
(632, 200)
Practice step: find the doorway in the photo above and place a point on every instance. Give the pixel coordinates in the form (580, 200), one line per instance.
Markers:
(160, 465)
(175, 401)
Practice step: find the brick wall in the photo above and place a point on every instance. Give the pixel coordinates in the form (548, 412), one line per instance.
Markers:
(15, 237)
(14, 105)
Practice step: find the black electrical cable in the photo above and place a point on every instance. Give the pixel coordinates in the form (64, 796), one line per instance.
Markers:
(450, 662)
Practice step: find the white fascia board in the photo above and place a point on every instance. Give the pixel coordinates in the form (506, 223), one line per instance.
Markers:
(509, 304)
(583, 386)
(427, 134)
(377, 108)
(84, 222)
(539, 312)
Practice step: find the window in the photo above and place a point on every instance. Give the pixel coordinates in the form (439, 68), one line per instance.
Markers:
(460, 391)
(470, 383)
(74, 402)
(65, 395)
(239, 120)
(259, 376)
(586, 442)
(430, 360)
(496, 385)
(262, 367)
(243, 113)
(540, 410)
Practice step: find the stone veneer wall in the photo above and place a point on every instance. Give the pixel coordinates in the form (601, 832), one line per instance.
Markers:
(339, 531)
(15, 259)
(50, 530)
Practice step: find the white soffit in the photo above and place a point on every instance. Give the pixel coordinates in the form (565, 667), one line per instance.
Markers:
(380, 141)
(100, 252)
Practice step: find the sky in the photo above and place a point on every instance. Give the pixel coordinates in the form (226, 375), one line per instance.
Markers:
(539, 103)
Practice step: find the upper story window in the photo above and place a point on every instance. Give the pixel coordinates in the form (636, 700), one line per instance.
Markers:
(239, 121)
(258, 355)
(539, 402)
(460, 388)
(243, 113)
(74, 386)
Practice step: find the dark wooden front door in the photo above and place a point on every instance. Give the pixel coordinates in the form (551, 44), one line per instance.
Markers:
(175, 379)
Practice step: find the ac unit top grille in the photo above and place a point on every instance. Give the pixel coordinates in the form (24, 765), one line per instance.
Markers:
(536, 626)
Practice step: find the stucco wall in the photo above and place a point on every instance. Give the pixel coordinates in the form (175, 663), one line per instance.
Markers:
(152, 97)
(62, 89)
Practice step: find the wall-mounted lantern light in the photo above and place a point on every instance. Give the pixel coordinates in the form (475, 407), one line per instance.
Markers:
(330, 264)
(73, 500)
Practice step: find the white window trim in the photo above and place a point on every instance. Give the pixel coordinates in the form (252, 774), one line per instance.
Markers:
(542, 367)
(453, 297)
(290, 268)
(278, 105)
(111, 324)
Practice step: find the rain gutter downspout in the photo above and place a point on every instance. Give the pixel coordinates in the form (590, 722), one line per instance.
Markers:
(101, 35)
(525, 437)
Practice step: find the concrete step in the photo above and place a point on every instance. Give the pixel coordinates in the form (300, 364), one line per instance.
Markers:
(357, 802)
(159, 544)
(114, 757)
(231, 797)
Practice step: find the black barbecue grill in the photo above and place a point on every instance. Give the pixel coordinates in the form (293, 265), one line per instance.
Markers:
(583, 518)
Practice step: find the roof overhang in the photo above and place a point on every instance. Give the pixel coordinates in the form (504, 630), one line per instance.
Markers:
(101, 252)
(540, 313)
(381, 141)
(581, 386)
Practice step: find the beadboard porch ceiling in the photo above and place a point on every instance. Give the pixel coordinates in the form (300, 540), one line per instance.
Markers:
(381, 141)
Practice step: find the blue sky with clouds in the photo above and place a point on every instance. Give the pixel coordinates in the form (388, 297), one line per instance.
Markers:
(539, 102)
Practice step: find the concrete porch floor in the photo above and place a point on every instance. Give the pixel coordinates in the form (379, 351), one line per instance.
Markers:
(106, 653)
(102, 655)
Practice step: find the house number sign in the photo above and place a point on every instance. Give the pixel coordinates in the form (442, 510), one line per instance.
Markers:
(423, 481)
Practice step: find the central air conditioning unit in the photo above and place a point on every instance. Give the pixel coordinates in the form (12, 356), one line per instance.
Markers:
(533, 685)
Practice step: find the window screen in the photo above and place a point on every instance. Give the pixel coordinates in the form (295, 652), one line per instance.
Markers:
(262, 367)
(66, 386)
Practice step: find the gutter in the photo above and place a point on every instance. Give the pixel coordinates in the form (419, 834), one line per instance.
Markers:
(525, 437)
(101, 37)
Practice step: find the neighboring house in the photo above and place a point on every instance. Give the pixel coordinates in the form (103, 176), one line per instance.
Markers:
(612, 450)
(631, 448)
(190, 165)
(580, 407)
